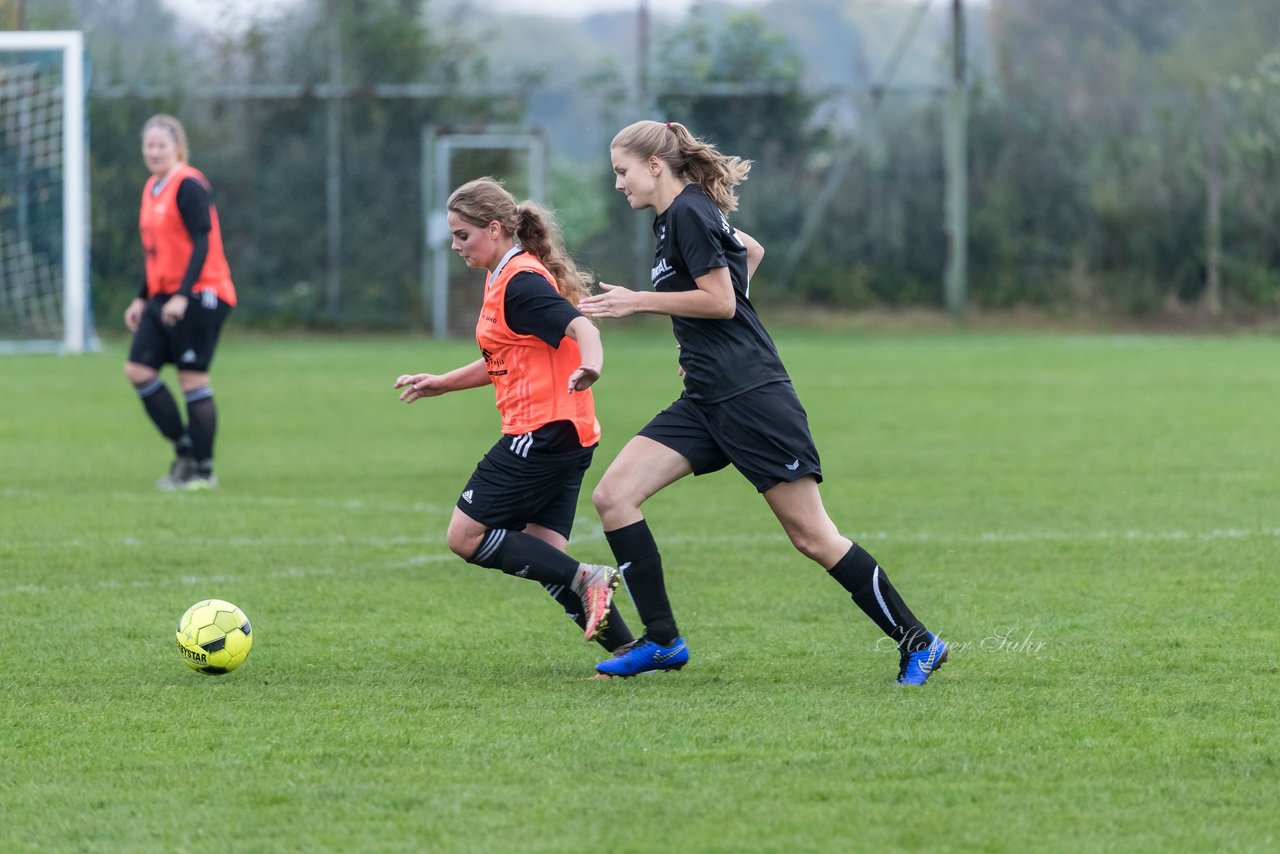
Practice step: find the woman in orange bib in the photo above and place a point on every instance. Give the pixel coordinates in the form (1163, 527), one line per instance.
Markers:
(185, 298)
(541, 356)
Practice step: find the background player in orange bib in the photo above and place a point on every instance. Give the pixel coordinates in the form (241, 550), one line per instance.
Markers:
(183, 302)
(541, 356)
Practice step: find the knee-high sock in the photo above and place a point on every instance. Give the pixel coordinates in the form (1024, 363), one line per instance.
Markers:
(869, 586)
(641, 567)
(615, 632)
(163, 412)
(202, 420)
(518, 553)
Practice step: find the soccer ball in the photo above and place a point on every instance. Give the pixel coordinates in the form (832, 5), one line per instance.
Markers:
(214, 637)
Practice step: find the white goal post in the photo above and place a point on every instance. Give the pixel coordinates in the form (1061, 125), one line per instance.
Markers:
(44, 209)
(439, 145)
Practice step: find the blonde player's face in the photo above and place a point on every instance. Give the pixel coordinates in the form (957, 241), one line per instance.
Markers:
(159, 150)
(635, 178)
(479, 246)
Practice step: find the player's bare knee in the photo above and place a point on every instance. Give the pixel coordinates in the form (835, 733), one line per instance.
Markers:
(603, 497)
(138, 374)
(807, 543)
(463, 542)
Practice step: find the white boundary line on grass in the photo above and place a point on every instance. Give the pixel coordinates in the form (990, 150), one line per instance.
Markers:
(444, 556)
(266, 500)
(291, 572)
(589, 528)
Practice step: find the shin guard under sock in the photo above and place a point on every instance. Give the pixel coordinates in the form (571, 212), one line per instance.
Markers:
(869, 586)
(524, 555)
(641, 567)
(162, 410)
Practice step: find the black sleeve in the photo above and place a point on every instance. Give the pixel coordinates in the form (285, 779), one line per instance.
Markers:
(194, 203)
(534, 307)
(698, 238)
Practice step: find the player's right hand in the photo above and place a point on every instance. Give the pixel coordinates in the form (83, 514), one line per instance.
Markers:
(133, 314)
(418, 386)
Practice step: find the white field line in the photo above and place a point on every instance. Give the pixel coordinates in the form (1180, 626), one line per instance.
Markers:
(1131, 535)
(588, 528)
(263, 500)
(587, 532)
(285, 574)
(429, 546)
(435, 551)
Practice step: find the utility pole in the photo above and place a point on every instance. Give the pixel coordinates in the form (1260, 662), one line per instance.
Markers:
(956, 157)
(642, 234)
(1212, 201)
(333, 165)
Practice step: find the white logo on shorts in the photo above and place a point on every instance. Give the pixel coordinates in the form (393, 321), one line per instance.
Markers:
(189, 356)
(466, 496)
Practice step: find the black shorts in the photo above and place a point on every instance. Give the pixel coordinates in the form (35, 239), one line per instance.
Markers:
(190, 343)
(526, 480)
(764, 433)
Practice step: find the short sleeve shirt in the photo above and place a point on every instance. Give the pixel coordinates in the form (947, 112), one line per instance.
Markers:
(535, 307)
(721, 358)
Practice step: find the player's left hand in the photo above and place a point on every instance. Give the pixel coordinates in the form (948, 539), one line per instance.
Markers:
(174, 309)
(615, 301)
(583, 378)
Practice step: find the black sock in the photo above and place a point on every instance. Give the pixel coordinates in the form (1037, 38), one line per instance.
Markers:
(641, 568)
(163, 411)
(613, 635)
(859, 573)
(518, 553)
(202, 417)
(616, 633)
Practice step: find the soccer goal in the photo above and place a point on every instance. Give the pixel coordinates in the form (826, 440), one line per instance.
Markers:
(440, 148)
(44, 210)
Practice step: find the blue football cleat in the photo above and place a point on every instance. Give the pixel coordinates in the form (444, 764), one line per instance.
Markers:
(917, 666)
(644, 656)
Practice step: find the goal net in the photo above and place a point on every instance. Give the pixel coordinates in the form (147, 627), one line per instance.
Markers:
(44, 248)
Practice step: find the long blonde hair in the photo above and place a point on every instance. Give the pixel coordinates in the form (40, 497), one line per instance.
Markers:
(174, 128)
(485, 200)
(688, 157)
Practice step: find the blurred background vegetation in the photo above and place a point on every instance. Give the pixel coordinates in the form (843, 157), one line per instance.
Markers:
(1123, 156)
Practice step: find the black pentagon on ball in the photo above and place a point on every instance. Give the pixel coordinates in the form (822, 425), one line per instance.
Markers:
(245, 628)
(215, 645)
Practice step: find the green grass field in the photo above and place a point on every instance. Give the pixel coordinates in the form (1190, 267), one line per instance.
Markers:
(1092, 520)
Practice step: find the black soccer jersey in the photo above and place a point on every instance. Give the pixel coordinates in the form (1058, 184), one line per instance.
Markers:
(721, 358)
(534, 307)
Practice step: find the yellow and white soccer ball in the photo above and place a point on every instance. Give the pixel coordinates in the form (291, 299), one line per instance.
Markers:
(214, 637)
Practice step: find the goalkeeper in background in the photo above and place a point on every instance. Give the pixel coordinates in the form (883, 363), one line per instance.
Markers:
(182, 304)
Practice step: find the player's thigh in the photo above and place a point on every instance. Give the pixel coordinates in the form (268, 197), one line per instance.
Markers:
(150, 345)
(554, 507)
(195, 338)
(798, 506)
(643, 467)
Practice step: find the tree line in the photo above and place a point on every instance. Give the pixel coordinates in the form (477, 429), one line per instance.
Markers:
(1122, 154)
